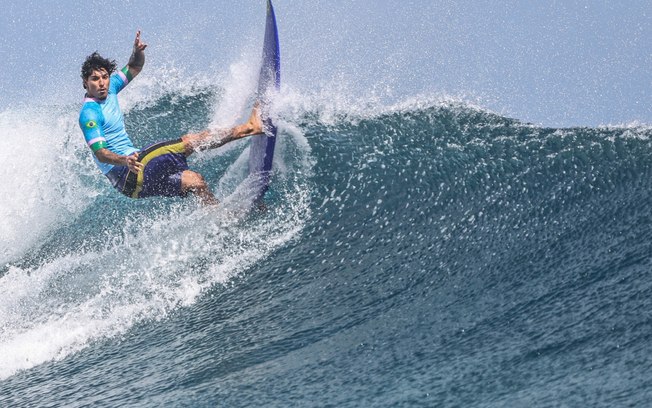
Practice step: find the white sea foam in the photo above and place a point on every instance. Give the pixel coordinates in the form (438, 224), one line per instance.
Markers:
(40, 172)
(47, 313)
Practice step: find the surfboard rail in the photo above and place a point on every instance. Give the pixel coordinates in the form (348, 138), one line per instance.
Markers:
(261, 150)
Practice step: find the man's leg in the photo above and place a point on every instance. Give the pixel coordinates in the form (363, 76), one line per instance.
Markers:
(211, 140)
(192, 182)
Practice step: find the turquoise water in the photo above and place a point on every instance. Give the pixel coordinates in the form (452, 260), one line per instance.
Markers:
(428, 253)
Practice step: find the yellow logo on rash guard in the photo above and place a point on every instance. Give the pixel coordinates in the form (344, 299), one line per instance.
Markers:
(91, 124)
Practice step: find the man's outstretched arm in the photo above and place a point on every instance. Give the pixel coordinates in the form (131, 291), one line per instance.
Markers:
(137, 59)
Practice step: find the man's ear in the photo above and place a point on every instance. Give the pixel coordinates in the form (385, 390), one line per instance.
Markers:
(84, 83)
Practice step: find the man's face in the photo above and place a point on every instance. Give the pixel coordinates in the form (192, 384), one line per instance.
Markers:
(97, 84)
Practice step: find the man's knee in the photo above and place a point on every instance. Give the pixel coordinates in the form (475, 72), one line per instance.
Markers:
(192, 181)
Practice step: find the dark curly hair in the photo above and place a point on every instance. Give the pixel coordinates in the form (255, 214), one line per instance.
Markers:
(94, 62)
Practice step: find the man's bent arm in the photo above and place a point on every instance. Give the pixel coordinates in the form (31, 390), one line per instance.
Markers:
(107, 156)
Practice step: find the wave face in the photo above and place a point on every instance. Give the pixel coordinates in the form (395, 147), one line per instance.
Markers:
(429, 253)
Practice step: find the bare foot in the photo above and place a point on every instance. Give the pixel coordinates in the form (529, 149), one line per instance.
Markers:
(254, 123)
(254, 126)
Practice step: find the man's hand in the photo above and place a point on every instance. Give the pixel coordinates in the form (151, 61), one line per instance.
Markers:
(133, 164)
(106, 156)
(139, 46)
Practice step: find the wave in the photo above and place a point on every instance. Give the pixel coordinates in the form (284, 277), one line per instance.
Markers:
(430, 189)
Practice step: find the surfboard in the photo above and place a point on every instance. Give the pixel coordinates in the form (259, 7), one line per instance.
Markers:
(261, 149)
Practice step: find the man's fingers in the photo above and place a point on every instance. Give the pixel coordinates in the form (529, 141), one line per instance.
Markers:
(137, 43)
(137, 168)
(133, 164)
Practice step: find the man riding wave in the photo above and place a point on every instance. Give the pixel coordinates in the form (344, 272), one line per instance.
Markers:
(160, 169)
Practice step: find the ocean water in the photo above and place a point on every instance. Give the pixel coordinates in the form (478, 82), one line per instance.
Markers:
(425, 252)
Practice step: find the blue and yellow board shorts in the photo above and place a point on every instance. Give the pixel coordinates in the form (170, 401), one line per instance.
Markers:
(164, 162)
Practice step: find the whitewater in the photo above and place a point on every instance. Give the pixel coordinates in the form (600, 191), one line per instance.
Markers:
(416, 250)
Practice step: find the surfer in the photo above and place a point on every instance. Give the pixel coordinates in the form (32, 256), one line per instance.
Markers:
(160, 169)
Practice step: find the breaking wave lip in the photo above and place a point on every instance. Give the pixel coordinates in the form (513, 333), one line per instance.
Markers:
(334, 103)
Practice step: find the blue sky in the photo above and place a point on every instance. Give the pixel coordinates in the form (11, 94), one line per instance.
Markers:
(556, 63)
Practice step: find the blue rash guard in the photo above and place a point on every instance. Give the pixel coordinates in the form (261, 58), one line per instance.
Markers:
(103, 124)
